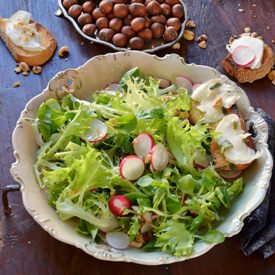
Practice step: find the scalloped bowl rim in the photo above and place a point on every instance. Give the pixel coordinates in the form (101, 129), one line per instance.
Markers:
(104, 252)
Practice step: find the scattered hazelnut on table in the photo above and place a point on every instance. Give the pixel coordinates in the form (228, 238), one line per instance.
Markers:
(16, 84)
(202, 37)
(25, 73)
(271, 75)
(17, 70)
(24, 67)
(273, 82)
(58, 12)
(191, 24)
(273, 41)
(188, 35)
(241, 10)
(37, 69)
(202, 44)
(247, 30)
(63, 51)
(176, 46)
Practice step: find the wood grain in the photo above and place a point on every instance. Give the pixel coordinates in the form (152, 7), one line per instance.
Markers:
(30, 250)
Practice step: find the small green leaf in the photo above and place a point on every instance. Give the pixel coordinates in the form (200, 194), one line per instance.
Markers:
(145, 181)
(213, 236)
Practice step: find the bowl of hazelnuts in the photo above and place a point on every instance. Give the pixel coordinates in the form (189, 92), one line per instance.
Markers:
(146, 25)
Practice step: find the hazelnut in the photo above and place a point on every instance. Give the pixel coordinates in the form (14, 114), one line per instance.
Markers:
(106, 6)
(25, 73)
(202, 44)
(271, 75)
(88, 6)
(120, 10)
(138, 24)
(75, 10)
(97, 13)
(16, 84)
(136, 43)
(18, 70)
(120, 40)
(84, 18)
(176, 46)
(127, 30)
(24, 67)
(146, 34)
(63, 51)
(178, 11)
(36, 69)
(166, 9)
(157, 29)
(106, 34)
(102, 22)
(148, 22)
(89, 29)
(116, 24)
(68, 3)
(170, 34)
(175, 22)
(202, 37)
(159, 19)
(188, 35)
(191, 24)
(127, 20)
(137, 10)
(171, 3)
(154, 8)
(110, 15)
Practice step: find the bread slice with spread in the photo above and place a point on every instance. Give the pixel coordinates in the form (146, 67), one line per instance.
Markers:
(27, 40)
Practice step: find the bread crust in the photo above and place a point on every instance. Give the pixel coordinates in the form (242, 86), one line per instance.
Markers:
(246, 74)
(31, 58)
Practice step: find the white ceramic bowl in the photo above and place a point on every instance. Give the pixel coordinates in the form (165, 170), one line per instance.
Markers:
(94, 75)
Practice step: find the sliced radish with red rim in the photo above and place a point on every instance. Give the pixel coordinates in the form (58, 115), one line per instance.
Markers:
(98, 131)
(131, 167)
(184, 82)
(229, 174)
(243, 56)
(118, 204)
(143, 144)
(118, 240)
(159, 157)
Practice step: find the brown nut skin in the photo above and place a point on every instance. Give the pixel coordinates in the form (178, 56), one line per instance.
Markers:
(88, 6)
(106, 6)
(75, 10)
(97, 13)
(118, 1)
(120, 10)
(175, 22)
(161, 1)
(170, 34)
(146, 34)
(157, 29)
(138, 23)
(148, 22)
(159, 19)
(154, 8)
(102, 23)
(89, 29)
(106, 34)
(127, 20)
(172, 2)
(137, 10)
(166, 9)
(127, 30)
(116, 24)
(178, 11)
(120, 40)
(137, 1)
(84, 19)
(136, 43)
(110, 15)
(68, 3)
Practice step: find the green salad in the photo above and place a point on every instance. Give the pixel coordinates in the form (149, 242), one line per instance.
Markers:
(130, 168)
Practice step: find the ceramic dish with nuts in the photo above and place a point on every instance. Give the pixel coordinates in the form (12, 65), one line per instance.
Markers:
(146, 25)
(73, 90)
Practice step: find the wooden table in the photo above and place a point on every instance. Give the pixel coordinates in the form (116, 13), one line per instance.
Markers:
(24, 247)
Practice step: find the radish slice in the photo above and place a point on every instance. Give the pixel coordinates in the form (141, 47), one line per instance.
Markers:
(229, 174)
(184, 82)
(243, 56)
(131, 168)
(143, 144)
(118, 204)
(159, 157)
(118, 240)
(98, 131)
(196, 85)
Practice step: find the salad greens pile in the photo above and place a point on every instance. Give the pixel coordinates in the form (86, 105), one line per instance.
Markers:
(170, 209)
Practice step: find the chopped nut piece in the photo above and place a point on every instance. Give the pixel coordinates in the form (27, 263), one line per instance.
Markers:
(231, 39)
(273, 41)
(254, 34)
(176, 46)
(135, 244)
(271, 75)
(268, 27)
(36, 69)
(191, 24)
(16, 84)
(247, 29)
(218, 102)
(25, 73)
(63, 51)
(17, 70)
(254, 5)
(241, 10)
(260, 37)
(202, 44)
(58, 12)
(188, 35)
(273, 82)
(202, 37)
(24, 67)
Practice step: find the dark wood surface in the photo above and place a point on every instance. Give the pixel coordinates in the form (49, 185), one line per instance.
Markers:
(24, 247)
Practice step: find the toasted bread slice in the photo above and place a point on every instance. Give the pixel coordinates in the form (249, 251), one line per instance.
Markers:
(246, 74)
(31, 58)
